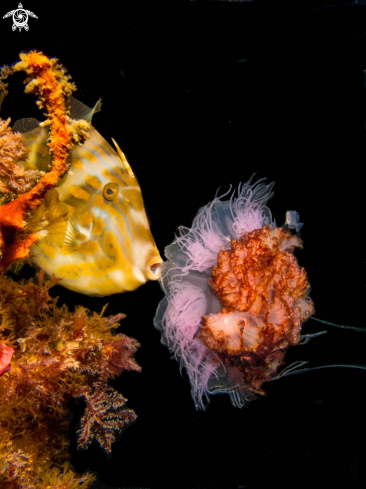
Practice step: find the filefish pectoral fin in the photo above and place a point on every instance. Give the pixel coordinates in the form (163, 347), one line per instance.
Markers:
(52, 217)
(72, 233)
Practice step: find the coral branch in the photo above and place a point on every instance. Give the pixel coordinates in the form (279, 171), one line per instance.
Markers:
(48, 81)
(42, 81)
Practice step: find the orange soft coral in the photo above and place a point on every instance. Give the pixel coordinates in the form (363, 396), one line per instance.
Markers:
(48, 80)
(264, 294)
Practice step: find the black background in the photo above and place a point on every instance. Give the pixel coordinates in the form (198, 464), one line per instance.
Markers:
(201, 95)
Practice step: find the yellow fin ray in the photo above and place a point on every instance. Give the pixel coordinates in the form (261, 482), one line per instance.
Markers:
(51, 216)
(25, 125)
(79, 111)
(72, 234)
(124, 161)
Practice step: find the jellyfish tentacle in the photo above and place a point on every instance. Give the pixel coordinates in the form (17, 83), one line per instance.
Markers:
(355, 328)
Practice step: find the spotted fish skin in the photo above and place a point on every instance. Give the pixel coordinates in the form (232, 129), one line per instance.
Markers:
(108, 246)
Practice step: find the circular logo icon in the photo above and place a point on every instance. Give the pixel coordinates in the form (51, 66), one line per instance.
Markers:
(20, 19)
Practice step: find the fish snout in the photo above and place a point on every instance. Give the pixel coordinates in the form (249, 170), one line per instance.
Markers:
(153, 267)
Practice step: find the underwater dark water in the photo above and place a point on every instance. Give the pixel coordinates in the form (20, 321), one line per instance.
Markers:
(199, 96)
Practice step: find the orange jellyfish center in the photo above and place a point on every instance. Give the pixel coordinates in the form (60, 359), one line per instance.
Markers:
(263, 291)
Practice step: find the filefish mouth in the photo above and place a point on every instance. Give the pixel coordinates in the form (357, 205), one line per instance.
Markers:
(153, 268)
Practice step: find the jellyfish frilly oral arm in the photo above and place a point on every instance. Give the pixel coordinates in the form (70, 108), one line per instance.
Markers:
(48, 81)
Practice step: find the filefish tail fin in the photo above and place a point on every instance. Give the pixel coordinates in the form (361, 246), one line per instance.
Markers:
(78, 110)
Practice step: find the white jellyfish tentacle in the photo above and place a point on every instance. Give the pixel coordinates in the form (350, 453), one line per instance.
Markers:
(307, 337)
(203, 240)
(355, 328)
(181, 320)
(295, 368)
(248, 208)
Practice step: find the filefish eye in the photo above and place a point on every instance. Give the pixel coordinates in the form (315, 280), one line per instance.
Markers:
(110, 191)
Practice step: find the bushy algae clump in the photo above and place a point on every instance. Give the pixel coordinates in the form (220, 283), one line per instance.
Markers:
(48, 354)
(57, 355)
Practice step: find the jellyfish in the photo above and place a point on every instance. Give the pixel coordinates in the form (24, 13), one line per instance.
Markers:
(236, 297)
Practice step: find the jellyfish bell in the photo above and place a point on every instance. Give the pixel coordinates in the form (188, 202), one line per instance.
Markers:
(235, 296)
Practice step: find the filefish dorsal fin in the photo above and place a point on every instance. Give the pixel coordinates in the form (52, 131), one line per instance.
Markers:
(25, 125)
(124, 161)
(78, 110)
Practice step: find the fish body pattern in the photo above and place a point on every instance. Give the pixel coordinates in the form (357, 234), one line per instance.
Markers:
(99, 240)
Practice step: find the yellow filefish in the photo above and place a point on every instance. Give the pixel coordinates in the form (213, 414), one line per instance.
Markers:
(98, 236)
